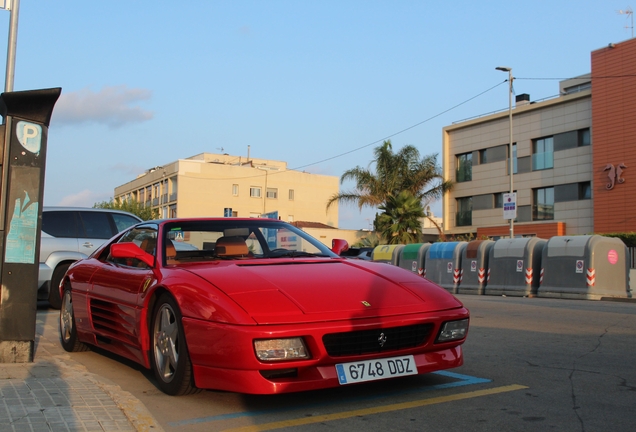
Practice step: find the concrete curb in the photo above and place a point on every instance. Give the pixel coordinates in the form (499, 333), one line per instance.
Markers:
(133, 409)
(51, 361)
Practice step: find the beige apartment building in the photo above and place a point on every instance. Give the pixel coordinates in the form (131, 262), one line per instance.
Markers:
(220, 185)
(552, 167)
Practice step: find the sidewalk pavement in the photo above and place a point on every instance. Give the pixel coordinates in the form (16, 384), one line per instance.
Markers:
(55, 393)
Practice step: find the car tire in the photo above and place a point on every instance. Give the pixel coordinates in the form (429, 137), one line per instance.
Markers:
(169, 356)
(55, 301)
(68, 331)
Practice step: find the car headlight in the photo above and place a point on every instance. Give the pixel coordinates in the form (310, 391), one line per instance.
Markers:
(453, 330)
(280, 349)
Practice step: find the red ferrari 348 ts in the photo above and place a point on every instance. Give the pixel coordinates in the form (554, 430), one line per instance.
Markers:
(255, 306)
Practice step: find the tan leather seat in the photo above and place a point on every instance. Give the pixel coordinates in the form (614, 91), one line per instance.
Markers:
(231, 246)
(171, 253)
(148, 245)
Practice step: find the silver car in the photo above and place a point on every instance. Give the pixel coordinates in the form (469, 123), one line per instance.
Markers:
(70, 234)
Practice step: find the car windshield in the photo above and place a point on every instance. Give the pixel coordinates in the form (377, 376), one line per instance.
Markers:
(190, 240)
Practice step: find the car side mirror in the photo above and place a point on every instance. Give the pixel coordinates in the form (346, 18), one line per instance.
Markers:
(131, 250)
(338, 246)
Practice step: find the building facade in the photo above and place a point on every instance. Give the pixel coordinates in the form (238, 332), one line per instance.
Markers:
(571, 156)
(214, 184)
(614, 133)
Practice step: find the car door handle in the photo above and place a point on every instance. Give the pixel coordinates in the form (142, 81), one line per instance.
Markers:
(87, 245)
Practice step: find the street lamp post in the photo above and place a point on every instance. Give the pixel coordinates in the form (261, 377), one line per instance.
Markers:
(14, 7)
(509, 70)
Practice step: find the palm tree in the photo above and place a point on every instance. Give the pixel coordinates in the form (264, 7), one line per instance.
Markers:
(370, 241)
(400, 221)
(394, 173)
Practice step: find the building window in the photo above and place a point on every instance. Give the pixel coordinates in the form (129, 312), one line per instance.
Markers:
(483, 156)
(585, 190)
(234, 190)
(290, 218)
(543, 154)
(464, 216)
(172, 213)
(464, 167)
(585, 138)
(255, 192)
(514, 158)
(543, 204)
(291, 195)
(272, 193)
(498, 200)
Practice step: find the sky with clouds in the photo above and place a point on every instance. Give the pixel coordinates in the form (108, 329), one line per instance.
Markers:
(318, 84)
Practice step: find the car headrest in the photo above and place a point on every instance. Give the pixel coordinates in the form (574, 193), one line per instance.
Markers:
(231, 246)
(171, 252)
(149, 245)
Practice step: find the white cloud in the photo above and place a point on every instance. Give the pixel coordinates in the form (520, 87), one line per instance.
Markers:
(85, 198)
(112, 106)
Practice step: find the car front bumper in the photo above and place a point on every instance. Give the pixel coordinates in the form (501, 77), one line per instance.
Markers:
(223, 355)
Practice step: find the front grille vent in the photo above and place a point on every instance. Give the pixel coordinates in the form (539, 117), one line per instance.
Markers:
(370, 341)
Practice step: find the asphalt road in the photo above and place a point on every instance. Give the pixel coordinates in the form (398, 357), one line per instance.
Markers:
(530, 364)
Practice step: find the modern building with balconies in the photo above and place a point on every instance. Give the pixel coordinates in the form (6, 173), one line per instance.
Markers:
(571, 158)
(224, 185)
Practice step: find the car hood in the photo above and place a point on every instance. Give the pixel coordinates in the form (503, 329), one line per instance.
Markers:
(301, 290)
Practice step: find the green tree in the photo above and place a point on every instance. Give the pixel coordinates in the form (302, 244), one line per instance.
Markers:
(131, 206)
(393, 174)
(400, 221)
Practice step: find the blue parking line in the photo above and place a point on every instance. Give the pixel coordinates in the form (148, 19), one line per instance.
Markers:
(462, 380)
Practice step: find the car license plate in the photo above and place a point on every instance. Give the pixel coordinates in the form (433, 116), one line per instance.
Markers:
(371, 370)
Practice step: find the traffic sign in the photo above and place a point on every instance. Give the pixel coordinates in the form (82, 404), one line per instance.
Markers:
(510, 206)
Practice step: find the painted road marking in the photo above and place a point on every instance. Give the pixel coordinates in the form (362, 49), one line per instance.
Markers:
(376, 410)
(462, 380)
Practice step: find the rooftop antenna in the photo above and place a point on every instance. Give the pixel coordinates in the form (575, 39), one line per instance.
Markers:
(220, 148)
(629, 12)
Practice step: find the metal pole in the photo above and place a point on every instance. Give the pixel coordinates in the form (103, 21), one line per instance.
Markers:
(512, 221)
(509, 70)
(11, 49)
